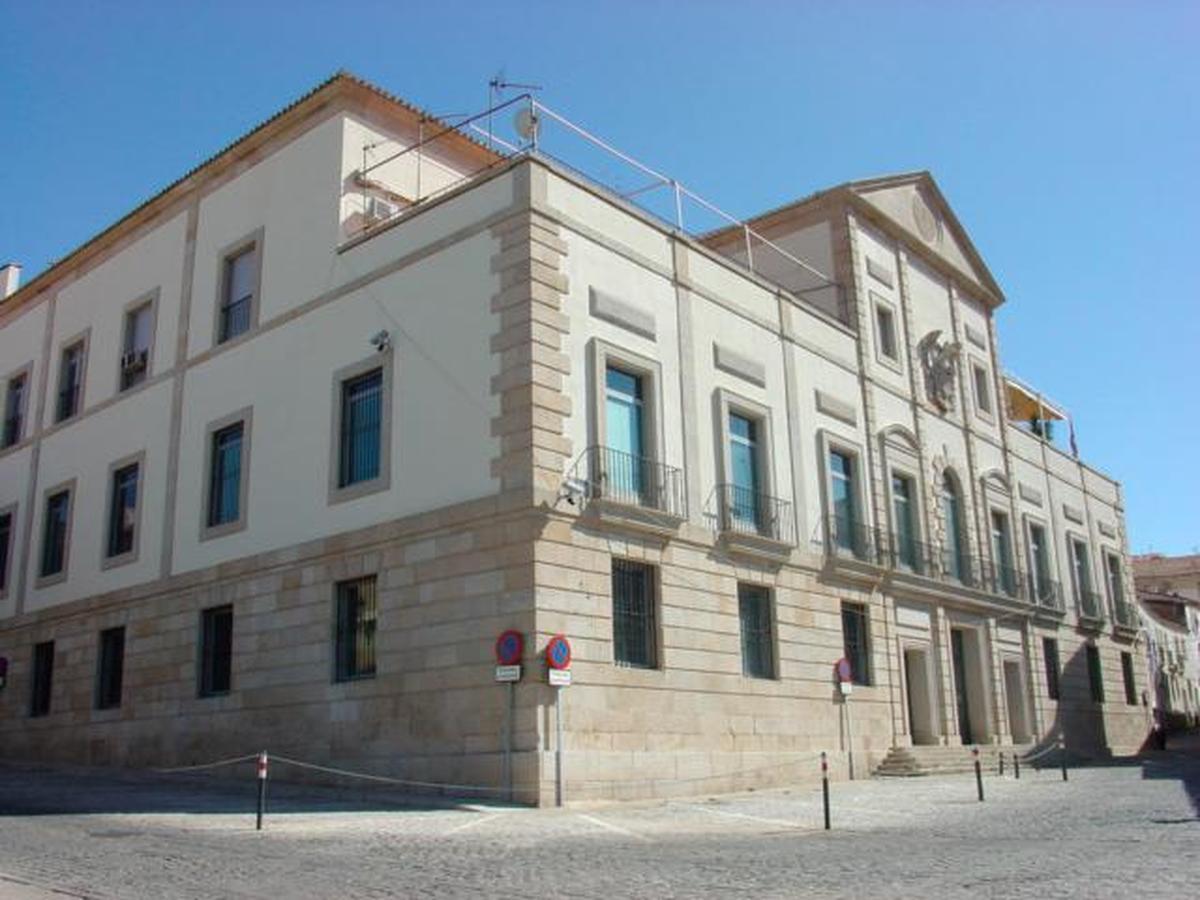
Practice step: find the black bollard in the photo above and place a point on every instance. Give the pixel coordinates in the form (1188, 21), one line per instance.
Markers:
(1016, 766)
(262, 789)
(1062, 753)
(1000, 756)
(825, 787)
(978, 773)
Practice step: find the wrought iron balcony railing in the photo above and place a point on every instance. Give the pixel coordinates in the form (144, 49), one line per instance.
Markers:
(1045, 593)
(1124, 614)
(846, 537)
(743, 511)
(630, 480)
(1089, 604)
(1002, 579)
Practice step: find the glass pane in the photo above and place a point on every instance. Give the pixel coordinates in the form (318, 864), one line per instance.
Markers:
(623, 424)
(743, 466)
(842, 476)
(362, 413)
(240, 276)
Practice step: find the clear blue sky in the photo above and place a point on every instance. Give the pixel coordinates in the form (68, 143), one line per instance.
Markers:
(1066, 135)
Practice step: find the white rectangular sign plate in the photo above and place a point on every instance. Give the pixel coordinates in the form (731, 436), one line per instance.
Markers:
(559, 677)
(508, 673)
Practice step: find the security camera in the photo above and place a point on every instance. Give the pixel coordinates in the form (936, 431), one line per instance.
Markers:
(381, 340)
(573, 491)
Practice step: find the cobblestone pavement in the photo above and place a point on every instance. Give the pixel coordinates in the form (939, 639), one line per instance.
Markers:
(1118, 831)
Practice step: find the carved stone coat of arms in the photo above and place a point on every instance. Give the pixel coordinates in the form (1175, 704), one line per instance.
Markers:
(939, 360)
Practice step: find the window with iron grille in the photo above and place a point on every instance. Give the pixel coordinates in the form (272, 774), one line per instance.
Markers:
(1050, 655)
(1130, 682)
(14, 411)
(225, 477)
(1095, 674)
(758, 639)
(110, 668)
(122, 515)
(237, 295)
(856, 640)
(362, 414)
(70, 382)
(216, 650)
(635, 628)
(54, 533)
(5, 541)
(354, 639)
(43, 674)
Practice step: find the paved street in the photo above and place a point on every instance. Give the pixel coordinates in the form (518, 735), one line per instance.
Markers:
(1120, 831)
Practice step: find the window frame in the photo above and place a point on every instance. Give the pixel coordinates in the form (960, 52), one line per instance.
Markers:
(984, 400)
(384, 361)
(83, 340)
(863, 610)
(25, 372)
(653, 626)
(1052, 666)
(879, 304)
(916, 517)
(41, 695)
(829, 443)
(245, 416)
(602, 355)
(1047, 545)
(252, 241)
(961, 548)
(148, 300)
(204, 689)
(101, 700)
(61, 575)
(108, 561)
(1009, 563)
(343, 674)
(10, 543)
(771, 649)
(1114, 589)
(1077, 589)
(729, 403)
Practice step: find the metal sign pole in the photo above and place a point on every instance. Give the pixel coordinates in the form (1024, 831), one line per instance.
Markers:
(849, 736)
(510, 703)
(558, 746)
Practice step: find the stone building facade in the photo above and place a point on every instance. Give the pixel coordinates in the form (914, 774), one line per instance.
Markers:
(291, 443)
(1168, 592)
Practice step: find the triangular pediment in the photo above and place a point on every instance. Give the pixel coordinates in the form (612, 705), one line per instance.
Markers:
(914, 203)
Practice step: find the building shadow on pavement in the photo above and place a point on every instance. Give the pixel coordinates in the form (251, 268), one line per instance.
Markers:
(47, 790)
(1180, 761)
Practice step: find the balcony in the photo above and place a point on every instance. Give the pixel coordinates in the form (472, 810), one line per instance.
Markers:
(754, 523)
(1125, 617)
(632, 491)
(1046, 594)
(1091, 610)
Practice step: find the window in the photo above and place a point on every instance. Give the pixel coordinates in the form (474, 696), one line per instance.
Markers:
(845, 501)
(856, 641)
(1006, 580)
(70, 380)
(745, 489)
(758, 642)
(14, 410)
(216, 650)
(885, 327)
(905, 520)
(111, 668)
(1039, 563)
(226, 495)
(983, 396)
(1050, 654)
(55, 530)
(362, 426)
(635, 631)
(43, 674)
(6, 535)
(955, 555)
(1116, 589)
(1082, 576)
(1130, 683)
(624, 421)
(122, 511)
(237, 307)
(135, 346)
(355, 637)
(1095, 675)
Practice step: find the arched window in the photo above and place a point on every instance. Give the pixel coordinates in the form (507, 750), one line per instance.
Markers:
(954, 558)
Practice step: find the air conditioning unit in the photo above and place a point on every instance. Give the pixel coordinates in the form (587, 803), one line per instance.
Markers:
(379, 210)
(135, 360)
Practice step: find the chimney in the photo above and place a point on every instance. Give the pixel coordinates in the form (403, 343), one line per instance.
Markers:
(10, 280)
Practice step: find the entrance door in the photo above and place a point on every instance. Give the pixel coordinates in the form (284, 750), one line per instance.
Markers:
(959, 658)
(917, 686)
(1014, 691)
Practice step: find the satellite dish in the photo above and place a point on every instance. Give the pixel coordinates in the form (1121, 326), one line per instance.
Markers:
(526, 122)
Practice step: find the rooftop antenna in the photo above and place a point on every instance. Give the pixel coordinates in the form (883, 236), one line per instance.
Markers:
(496, 86)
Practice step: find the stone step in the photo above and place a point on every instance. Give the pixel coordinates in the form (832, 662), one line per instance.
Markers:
(940, 760)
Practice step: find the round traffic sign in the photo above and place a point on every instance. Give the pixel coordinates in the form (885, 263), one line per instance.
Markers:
(510, 646)
(558, 652)
(843, 670)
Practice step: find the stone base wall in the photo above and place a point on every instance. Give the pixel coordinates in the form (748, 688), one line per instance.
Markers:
(447, 584)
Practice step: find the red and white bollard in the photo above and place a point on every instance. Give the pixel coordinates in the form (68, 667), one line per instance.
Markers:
(262, 789)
